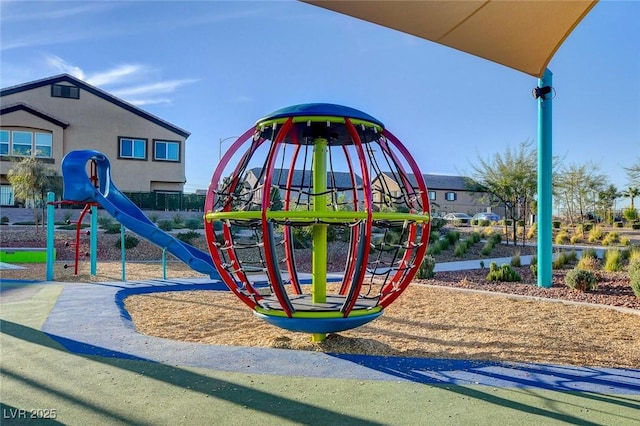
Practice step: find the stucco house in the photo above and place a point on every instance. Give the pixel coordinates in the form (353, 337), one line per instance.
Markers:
(446, 193)
(48, 118)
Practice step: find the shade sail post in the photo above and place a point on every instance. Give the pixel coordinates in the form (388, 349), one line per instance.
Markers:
(544, 94)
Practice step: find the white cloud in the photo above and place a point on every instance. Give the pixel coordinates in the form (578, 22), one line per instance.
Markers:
(60, 65)
(122, 80)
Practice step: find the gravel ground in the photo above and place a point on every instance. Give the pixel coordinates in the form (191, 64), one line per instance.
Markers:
(613, 287)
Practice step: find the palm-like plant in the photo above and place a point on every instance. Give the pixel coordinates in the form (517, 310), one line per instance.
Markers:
(631, 192)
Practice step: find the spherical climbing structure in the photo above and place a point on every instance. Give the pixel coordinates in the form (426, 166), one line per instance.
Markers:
(317, 218)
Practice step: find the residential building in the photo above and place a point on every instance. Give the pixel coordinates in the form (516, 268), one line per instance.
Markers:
(48, 118)
(446, 193)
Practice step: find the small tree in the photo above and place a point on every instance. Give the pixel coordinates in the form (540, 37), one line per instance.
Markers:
(31, 180)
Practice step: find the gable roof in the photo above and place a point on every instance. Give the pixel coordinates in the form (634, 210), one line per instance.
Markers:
(97, 92)
(20, 106)
(342, 179)
(440, 182)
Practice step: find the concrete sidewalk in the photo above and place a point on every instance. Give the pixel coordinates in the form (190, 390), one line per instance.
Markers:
(71, 348)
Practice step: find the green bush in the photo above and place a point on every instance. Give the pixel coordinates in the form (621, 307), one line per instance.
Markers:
(178, 220)
(460, 249)
(534, 266)
(581, 279)
(630, 214)
(588, 263)
(104, 222)
(474, 222)
(193, 223)
(165, 224)
(504, 273)
(425, 271)
(575, 239)
(129, 242)
(618, 224)
(4, 220)
(634, 276)
(562, 237)
(589, 252)
(515, 260)
(613, 260)
(188, 236)
(487, 248)
(596, 234)
(635, 225)
(153, 217)
(112, 228)
(475, 237)
(453, 237)
(564, 258)
(434, 248)
(556, 224)
(444, 244)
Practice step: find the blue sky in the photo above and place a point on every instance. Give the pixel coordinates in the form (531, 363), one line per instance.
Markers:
(213, 68)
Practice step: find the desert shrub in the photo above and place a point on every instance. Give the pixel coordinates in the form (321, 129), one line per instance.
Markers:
(104, 222)
(453, 237)
(496, 238)
(534, 266)
(563, 259)
(444, 244)
(532, 231)
(178, 220)
(634, 255)
(588, 263)
(556, 224)
(434, 248)
(425, 271)
(613, 260)
(625, 241)
(596, 234)
(575, 239)
(618, 224)
(4, 220)
(129, 242)
(504, 273)
(589, 252)
(165, 224)
(193, 223)
(630, 214)
(460, 249)
(634, 276)
(487, 231)
(474, 222)
(153, 217)
(635, 225)
(487, 248)
(475, 237)
(188, 236)
(302, 237)
(515, 260)
(581, 279)
(112, 228)
(611, 238)
(485, 222)
(562, 237)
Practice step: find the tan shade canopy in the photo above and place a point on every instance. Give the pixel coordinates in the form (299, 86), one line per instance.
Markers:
(520, 34)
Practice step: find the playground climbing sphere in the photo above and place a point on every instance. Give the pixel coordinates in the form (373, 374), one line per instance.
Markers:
(307, 170)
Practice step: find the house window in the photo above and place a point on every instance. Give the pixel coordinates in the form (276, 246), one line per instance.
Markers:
(133, 148)
(22, 143)
(43, 145)
(166, 151)
(26, 143)
(432, 195)
(62, 91)
(450, 196)
(6, 195)
(4, 142)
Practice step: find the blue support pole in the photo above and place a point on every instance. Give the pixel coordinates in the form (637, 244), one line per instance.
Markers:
(164, 263)
(93, 241)
(51, 251)
(122, 252)
(545, 180)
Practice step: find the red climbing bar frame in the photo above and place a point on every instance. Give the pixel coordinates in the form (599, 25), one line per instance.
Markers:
(269, 250)
(288, 243)
(402, 278)
(358, 276)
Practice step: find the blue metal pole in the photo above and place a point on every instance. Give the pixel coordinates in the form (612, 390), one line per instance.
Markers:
(545, 179)
(93, 241)
(122, 252)
(51, 251)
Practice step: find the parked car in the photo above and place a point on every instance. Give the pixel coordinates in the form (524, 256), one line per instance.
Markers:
(491, 217)
(458, 219)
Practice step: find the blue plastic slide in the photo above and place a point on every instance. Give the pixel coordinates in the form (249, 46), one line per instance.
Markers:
(78, 187)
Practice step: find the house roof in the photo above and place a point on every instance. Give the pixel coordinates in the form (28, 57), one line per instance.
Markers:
(303, 178)
(97, 92)
(20, 106)
(441, 182)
